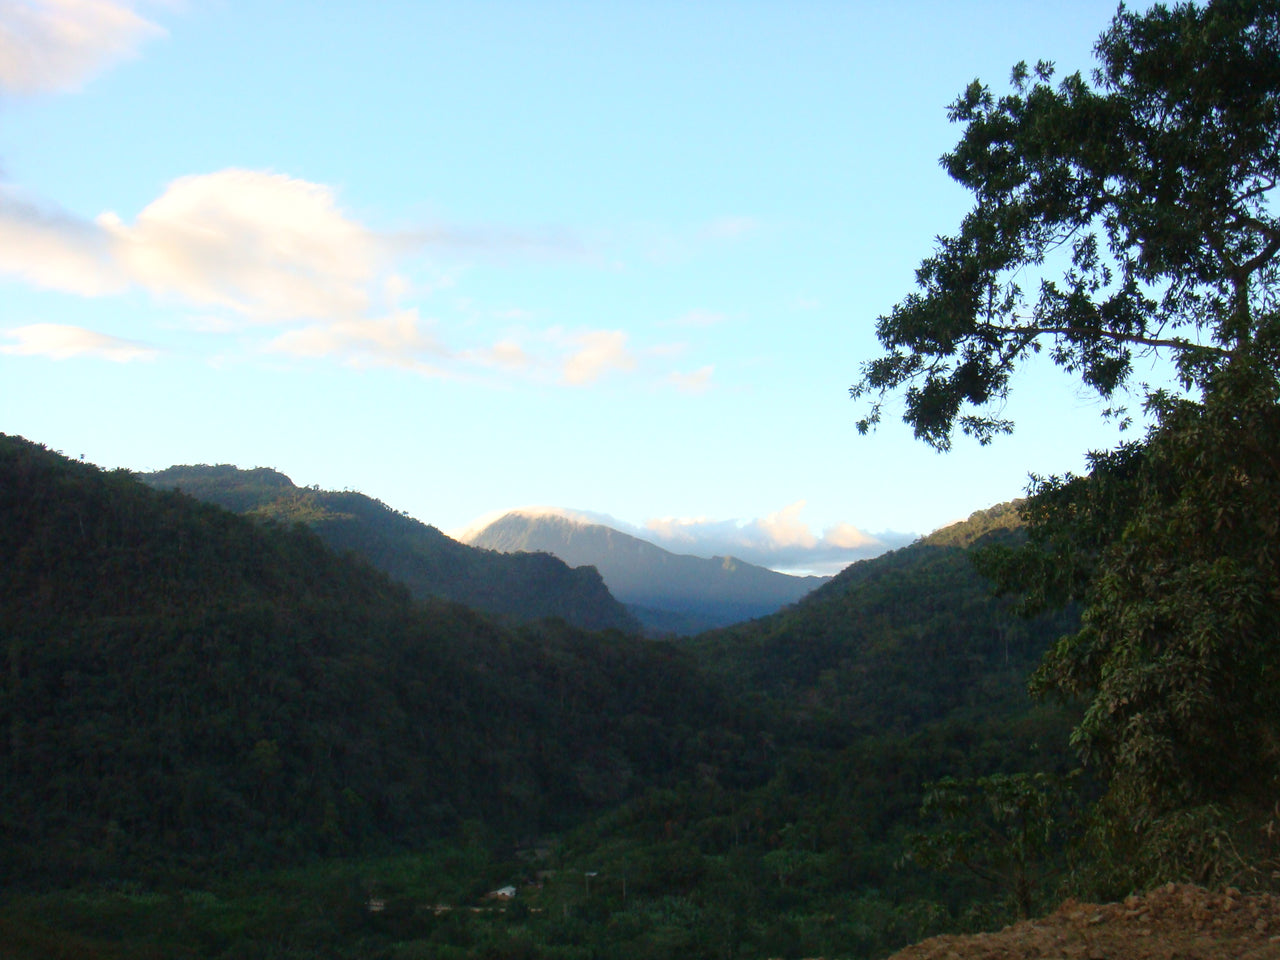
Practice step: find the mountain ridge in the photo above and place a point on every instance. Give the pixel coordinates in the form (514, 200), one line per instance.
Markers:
(661, 587)
(427, 561)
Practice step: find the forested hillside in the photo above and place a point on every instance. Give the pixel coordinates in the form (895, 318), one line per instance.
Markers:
(190, 692)
(891, 643)
(521, 587)
(902, 671)
(184, 687)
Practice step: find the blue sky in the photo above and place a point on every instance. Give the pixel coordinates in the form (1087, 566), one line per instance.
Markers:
(619, 257)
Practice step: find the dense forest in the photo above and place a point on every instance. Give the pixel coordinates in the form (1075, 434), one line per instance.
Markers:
(185, 686)
(194, 697)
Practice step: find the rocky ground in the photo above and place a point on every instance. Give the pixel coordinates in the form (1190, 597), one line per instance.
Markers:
(1170, 923)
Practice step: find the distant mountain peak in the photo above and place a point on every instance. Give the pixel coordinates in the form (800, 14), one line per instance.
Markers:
(656, 583)
(579, 517)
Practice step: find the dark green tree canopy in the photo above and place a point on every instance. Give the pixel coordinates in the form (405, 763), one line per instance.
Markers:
(1169, 548)
(1139, 206)
(1135, 213)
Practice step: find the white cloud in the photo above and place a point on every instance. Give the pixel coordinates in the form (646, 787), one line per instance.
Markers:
(56, 45)
(264, 245)
(396, 288)
(393, 341)
(597, 352)
(699, 381)
(53, 250)
(784, 528)
(780, 541)
(61, 342)
(247, 248)
(848, 537)
(509, 354)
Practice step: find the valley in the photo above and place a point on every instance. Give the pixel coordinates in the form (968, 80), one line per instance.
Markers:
(237, 698)
(656, 258)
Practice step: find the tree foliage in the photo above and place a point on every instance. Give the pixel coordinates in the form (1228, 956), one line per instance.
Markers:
(188, 695)
(1006, 829)
(1148, 193)
(1143, 204)
(1170, 548)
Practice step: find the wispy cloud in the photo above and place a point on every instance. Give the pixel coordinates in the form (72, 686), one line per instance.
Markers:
(56, 45)
(513, 313)
(398, 340)
(500, 243)
(730, 228)
(508, 355)
(679, 245)
(253, 249)
(61, 342)
(699, 381)
(596, 353)
(582, 357)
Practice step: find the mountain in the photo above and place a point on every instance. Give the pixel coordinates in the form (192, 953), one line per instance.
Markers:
(188, 696)
(668, 592)
(899, 672)
(521, 587)
(897, 640)
(183, 687)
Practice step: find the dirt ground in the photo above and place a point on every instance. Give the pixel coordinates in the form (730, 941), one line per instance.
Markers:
(1170, 923)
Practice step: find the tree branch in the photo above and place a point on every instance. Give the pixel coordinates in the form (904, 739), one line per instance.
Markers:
(1263, 257)
(1082, 333)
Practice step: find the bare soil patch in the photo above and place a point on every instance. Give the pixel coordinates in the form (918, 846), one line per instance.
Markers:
(1173, 922)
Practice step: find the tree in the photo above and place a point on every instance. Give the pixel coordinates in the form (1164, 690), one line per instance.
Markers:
(1005, 829)
(1152, 188)
(1169, 547)
(1152, 193)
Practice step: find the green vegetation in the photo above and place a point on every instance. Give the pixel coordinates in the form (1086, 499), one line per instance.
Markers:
(235, 740)
(1006, 829)
(1001, 517)
(185, 689)
(1152, 190)
(1176, 654)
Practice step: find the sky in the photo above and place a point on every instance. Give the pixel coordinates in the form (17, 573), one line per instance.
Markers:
(617, 257)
